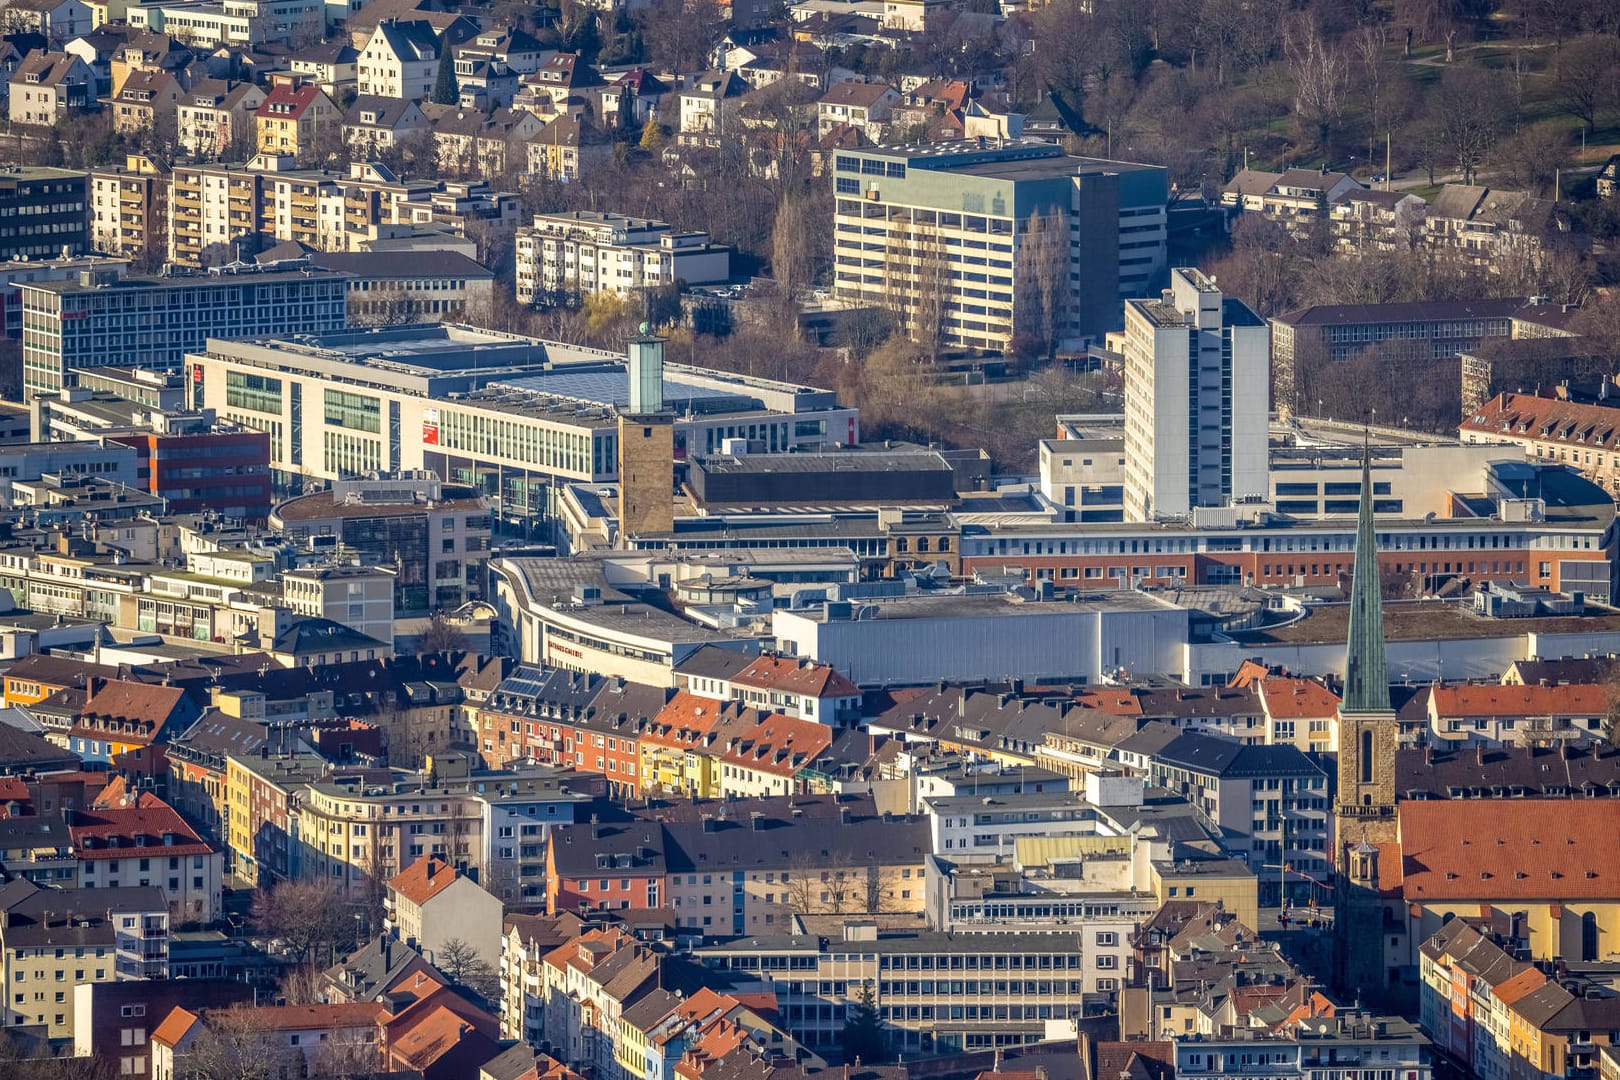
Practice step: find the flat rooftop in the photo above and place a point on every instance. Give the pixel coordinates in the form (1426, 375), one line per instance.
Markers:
(322, 505)
(835, 461)
(1424, 620)
(74, 286)
(994, 605)
(611, 388)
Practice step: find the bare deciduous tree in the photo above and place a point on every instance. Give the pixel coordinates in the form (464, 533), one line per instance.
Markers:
(1321, 74)
(311, 915)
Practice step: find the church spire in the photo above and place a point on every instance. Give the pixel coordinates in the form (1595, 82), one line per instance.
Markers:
(1366, 676)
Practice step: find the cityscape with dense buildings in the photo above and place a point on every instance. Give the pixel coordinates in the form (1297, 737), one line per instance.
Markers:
(836, 540)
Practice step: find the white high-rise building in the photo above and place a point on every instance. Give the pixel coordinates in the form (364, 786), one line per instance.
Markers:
(1196, 390)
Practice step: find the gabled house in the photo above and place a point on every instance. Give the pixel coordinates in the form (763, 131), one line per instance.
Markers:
(476, 144)
(429, 903)
(1608, 180)
(334, 66)
(124, 725)
(1482, 224)
(293, 117)
(377, 123)
(558, 87)
(866, 106)
(644, 90)
(48, 86)
(143, 99)
(704, 103)
(59, 21)
(400, 60)
(216, 115)
(566, 149)
(143, 841)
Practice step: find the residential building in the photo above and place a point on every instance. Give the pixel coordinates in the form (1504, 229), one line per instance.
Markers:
(91, 321)
(54, 20)
(262, 796)
(1553, 429)
(1272, 800)
(51, 86)
(1298, 198)
(942, 233)
(333, 65)
(294, 1039)
(772, 683)
(129, 208)
(115, 1021)
(867, 107)
(586, 251)
(373, 124)
(1517, 715)
(55, 940)
(1608, 178)
(144, 98)
(242, 23)
(1485, 227)
(47, 211)
(294, 118)
(359, 596)
(1195, 423)
(146, 843)
(123, 724)
(525, 942)
(215, 117)
(429, 903)
(1301, 1047)
(399, 60)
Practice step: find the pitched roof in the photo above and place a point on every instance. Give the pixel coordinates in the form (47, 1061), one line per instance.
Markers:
(150, 823)
(412, 40)
(1585, 699)
(174, 1027)
(120, 699)
(1225, 758)
(1564, 771)
(25, 751)
(423, 880)
(1414, 312)
(856, 94)
(1509, 849)
(286, 101)
(775, 672)
(1297, 699)
(1546, 419)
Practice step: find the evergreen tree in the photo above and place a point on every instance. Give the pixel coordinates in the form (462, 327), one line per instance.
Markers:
(445, 90)
(863, 1029)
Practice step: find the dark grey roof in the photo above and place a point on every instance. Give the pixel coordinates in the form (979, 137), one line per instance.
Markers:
(1232, 760)
(1509, 771)
(22, 751)
(40, 830)
(628, 846)
(1589, 669)
(323, 635)
(713, 662)
(509, 1064)
(1415, 312)
(401, 264)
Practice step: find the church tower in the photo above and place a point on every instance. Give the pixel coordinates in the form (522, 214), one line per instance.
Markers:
(1364, 804)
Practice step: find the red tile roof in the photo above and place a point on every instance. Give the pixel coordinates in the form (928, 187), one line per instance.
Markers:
(286, 102)
(356, 1014)
(1583, 699)
(119, 700)
(1509, 849)
(113, 832)
(174, 1027)
(795, 677)
(1296, 699)
(423, 880)
(1527, 416)
(770, 742)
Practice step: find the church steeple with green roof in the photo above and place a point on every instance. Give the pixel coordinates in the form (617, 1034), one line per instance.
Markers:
(1366, 670)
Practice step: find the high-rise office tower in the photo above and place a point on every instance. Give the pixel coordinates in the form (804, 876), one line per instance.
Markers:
(1196, 395)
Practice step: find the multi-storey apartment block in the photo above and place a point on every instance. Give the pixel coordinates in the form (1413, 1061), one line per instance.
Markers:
(129, 208)
(586, 252)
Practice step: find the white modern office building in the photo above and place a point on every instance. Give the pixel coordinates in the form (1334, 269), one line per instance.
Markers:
(1196, 367)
